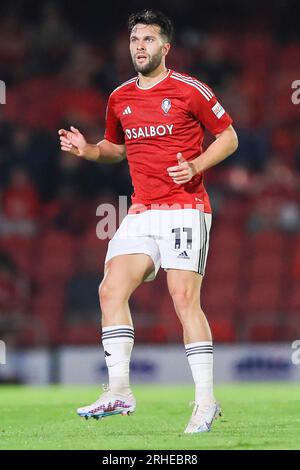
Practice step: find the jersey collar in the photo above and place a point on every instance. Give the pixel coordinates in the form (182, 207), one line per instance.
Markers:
(155, 84)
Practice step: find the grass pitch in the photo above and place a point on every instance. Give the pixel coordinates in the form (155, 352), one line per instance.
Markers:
(255, 416)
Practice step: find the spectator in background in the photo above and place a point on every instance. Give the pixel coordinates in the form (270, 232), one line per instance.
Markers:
(274, 199)
(68, 212)
(50, 40)
(82, 304)
(264, 216)
(13, 42)
(78, 99)
(20, 206)
(213, 64)
(37, 152)
(13, 299)
(289, 217)
(254, 145)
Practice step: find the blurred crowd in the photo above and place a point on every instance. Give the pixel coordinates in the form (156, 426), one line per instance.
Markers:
(50, 260)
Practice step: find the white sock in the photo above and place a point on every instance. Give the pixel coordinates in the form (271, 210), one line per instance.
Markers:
(200, 357)
(117, 343)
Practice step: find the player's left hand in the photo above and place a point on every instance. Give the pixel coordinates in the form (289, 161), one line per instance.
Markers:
(183, 172)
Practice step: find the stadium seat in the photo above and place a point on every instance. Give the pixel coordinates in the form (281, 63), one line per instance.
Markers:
(144, 299)
(260, 297)
(292, 300)
(266, 266)
(56, 257)
(80, 334)
(296, 240)
(48, 308)
(222, 327)
(168, 318)
(221, 295)
(295, 265)
(262, 333)
(266, 242)
(225, 239)
(223, 266)
(151, 334)
(288, 331)
(97, 247)
(233, 213)
(56, 241)
(287, 56)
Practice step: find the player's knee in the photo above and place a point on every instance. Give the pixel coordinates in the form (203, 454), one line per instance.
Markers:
(110, 293)
(184, 299)
(106, 293)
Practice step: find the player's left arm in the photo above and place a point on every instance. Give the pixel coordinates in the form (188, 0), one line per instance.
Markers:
(225, 144)
(206, 110)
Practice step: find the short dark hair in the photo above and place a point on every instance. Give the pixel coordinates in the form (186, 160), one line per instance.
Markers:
(152, 17)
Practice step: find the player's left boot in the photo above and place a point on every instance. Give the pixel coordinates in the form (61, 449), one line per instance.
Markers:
(109, 404)
(202, 418)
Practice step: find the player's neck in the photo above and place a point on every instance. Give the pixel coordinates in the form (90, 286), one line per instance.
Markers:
(147, 81)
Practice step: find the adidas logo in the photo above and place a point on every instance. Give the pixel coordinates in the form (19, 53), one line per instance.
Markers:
(127, 110)
(106, 354)
(183, 255)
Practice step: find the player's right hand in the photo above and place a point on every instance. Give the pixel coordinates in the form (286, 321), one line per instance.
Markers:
(72, 141)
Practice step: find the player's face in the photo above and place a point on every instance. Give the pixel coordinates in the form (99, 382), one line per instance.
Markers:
(147, 48)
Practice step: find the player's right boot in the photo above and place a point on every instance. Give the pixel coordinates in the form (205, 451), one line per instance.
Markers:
(109, 404)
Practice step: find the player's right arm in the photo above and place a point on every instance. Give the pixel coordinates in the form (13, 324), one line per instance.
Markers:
(73, 141)
(109, 150)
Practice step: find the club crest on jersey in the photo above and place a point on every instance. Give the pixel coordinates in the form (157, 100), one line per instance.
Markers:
(166, 105)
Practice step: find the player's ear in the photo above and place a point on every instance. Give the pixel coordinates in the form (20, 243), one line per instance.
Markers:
(166, 48)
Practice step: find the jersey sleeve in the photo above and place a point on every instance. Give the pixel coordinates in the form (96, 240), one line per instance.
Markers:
(206, 108)
(113, 129)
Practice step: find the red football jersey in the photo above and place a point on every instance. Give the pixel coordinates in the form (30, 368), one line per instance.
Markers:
(155, 124)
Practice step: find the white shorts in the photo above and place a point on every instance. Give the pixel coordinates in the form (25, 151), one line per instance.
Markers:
(174, 239)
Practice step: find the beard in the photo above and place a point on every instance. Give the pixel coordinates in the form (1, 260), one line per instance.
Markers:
(150, 66)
